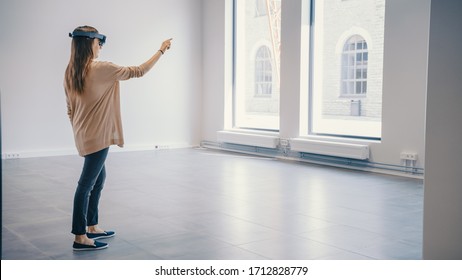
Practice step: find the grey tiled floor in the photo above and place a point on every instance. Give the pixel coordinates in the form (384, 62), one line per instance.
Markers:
(204, 204)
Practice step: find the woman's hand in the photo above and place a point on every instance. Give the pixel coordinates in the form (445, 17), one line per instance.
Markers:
(166, 45)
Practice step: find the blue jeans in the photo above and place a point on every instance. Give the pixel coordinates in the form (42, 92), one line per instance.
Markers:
(88, 192)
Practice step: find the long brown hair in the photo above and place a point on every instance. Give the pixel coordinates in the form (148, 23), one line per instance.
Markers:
(79, 63)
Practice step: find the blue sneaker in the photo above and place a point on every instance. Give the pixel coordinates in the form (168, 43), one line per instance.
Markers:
(106, 234)
(83, 247)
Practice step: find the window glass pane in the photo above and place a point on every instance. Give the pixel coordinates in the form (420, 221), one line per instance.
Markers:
(351, 86)
(256, 65)
(351, 60)
(341, 101)
(358, 87)
(351, 73)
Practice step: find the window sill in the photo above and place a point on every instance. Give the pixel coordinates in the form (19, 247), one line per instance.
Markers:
(339, 139)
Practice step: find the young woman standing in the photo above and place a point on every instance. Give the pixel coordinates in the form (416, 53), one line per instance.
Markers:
(93, 103)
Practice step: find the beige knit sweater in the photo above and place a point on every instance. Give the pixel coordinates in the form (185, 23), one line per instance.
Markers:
(95, 114)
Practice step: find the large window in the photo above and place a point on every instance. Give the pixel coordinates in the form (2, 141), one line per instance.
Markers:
(256, 65)
(346, 68)
(346, 59)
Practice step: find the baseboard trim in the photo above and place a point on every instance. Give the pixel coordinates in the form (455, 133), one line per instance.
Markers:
(113, 149)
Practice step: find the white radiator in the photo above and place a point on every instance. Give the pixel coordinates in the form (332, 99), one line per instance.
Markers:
(346, 150)
(266, 141)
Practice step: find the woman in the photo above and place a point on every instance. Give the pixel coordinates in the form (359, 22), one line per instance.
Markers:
(93, 103)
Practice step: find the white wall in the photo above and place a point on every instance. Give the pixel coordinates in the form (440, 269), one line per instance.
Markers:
(443, 185)
(162, 108)
(405, 70)
(217, 69)
(404, 81)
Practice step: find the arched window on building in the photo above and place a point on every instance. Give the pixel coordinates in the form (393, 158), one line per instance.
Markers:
(263, 72)
(354, 67)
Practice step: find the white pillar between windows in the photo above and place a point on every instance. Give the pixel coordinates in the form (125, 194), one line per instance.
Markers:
(294, 67)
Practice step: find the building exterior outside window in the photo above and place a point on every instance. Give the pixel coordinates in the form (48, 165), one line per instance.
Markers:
(346, 73)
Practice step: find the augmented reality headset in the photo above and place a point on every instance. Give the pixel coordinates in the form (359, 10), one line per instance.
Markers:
(91, 35)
